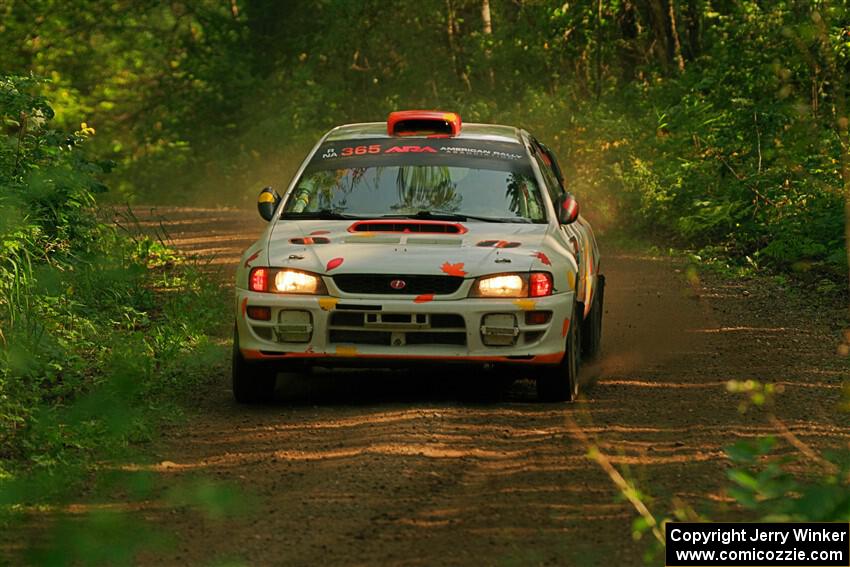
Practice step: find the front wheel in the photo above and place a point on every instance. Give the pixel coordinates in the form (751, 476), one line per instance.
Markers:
(560, 383)
(252, 383)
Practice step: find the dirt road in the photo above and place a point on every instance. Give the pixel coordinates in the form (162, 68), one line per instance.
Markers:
(377, 468)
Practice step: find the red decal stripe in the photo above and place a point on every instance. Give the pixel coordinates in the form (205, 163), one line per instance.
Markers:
(554, 358)
(543, 258)
(252, 257)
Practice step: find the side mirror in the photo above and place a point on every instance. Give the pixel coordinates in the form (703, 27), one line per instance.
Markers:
(568, 209)
(267, 202)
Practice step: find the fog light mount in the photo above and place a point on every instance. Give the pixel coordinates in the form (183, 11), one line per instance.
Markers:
(499, 329)
(293, 326)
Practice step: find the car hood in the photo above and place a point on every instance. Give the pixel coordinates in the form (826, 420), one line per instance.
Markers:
(336, 247)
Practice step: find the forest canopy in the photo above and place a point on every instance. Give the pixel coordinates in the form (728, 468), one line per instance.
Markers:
(719, 125)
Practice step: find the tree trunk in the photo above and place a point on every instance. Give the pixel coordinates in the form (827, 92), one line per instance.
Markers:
(628, 46)
(597, 64)
(674, 33)
(694, 26)
(487, 28)
(450, 34)
(485, 17)
(663, 46)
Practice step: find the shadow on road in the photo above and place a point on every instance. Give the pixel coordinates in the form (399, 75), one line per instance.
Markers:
(377, 386)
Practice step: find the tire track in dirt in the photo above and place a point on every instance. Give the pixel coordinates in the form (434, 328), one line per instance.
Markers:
(394, 468)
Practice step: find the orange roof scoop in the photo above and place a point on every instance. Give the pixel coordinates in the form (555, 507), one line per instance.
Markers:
(423, 122)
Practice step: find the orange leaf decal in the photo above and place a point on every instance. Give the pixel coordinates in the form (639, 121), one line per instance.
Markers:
(543, 258)
(566, 327)
(244, 306)
(499, 244)
(453, 269)
(335, 263)
(317, 232)
(424, 298)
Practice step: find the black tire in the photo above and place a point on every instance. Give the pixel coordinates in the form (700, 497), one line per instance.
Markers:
(560, 383)
(252, 382)
(591, 331)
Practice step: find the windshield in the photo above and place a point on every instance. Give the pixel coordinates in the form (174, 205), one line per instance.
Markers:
(389, 177)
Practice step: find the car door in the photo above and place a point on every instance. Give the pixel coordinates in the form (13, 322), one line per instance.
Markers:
(577, 235)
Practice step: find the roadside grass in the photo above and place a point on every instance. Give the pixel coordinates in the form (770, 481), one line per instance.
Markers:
(771, 478)
(777, 477)
(102, 355)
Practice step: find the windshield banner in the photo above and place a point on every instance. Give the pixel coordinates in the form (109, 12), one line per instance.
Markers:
(477, 154)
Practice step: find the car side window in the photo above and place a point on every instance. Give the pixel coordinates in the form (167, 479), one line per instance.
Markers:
(552, 185)
(556, 167)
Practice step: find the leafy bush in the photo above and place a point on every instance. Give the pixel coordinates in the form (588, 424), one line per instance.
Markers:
(92, 320)
(50, 237)
(100, 331)
(763, 484)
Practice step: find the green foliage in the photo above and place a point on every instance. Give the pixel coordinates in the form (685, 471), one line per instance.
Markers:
(725, 136)
(763, 483)
(101, 331)
(108, 337)
(102, 537)
(766, 481)
(84, 310)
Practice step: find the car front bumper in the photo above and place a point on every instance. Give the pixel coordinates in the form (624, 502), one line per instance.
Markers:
(327, 330)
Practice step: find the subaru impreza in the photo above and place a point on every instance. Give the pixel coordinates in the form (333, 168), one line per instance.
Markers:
(421, 240)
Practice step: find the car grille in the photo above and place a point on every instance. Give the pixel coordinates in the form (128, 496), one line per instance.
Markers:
(410, 320)
(385, 338)
(395, 329)
(381, 284)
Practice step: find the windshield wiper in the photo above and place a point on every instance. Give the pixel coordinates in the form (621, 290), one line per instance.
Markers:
(324, 214)
(448, 215)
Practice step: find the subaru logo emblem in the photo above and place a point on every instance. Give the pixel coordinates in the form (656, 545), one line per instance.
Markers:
(398, 284)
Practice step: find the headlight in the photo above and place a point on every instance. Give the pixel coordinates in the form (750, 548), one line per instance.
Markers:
(534, 284)
(295, 282)
(509, 285)
(285, 281)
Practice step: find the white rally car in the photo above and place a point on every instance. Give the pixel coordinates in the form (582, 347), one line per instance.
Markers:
(420, 240)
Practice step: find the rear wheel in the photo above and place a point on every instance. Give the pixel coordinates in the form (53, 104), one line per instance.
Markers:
(560, 383)
(591, 331)
(252, 382)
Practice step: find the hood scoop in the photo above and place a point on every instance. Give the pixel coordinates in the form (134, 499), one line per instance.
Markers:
(417, 240)
(408, 226)
(371, 238)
